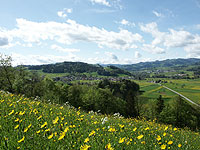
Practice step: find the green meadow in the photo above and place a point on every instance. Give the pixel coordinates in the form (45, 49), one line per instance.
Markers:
(32, 124)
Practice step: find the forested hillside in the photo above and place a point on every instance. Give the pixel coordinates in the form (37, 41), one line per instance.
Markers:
(78, 67)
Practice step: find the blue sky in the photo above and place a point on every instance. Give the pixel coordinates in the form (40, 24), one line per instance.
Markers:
(99, 31)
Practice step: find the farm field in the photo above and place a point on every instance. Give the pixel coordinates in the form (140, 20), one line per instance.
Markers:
(28, 124)
(188, 88)
(152, 91)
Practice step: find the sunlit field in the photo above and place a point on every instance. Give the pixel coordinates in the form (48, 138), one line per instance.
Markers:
(189, 88)
(33, 124)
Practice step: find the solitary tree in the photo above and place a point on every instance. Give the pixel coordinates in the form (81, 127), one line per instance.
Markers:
(159, 105)
(7, 75)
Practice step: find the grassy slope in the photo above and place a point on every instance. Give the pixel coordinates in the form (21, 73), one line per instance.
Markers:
(27, 124)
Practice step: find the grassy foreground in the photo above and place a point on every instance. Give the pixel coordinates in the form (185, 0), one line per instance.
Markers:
(27, 124)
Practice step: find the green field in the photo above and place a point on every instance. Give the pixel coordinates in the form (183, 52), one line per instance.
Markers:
(28, 124)
(189, 88)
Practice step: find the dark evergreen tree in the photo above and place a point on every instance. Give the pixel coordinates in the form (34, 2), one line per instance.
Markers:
(159, 105)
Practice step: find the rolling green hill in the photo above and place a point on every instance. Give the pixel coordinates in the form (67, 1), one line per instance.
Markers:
(78, 67)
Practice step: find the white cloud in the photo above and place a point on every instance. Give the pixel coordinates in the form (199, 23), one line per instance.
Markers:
(180, 38)
(72, 32)
(153, 49)
(127, 23)
(102, 2)
(137, 55)
(64, 12)
(193, 50)
(61, 14)
(61, 49)
(102, 10)
(172, 39)
(116, 4)
(19, 59)
(68, 10)
(124, 22)
(157, 14)
(112, 56)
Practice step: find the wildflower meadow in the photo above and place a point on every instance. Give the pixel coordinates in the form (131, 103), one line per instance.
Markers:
(32, 124)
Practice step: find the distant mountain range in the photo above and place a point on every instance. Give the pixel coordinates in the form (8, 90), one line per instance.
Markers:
(114, 70)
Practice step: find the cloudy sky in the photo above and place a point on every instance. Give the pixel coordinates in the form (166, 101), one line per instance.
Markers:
(99, 31)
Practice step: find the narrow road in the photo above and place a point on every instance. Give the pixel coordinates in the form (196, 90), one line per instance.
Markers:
(181, 96)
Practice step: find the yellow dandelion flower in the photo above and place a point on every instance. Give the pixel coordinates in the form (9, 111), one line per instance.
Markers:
(85, 147)
(21, 140)
(6, 138)
(50, 136)
(55, 133)
(17, 126)
(179, 145)
(121, 140)
(62, 135)
(163, 146)
(55, 120)
(121, 126)
(164, 134)
(18, 147)
(140, 136)
(158, 138)
(17, 119)
(38, 131)
(175, 129)
(11, 112)
(25, 130)
(147, 128)
(21, 113)
(143, 142)
(66, 129)
(135, 129)
(39, 117)
(92, 133)
(170, 142)
(42, 126)
(47, 130)
(112, 130)
(128, 143)
(109, 147)
(166, 128)
(86, 140)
